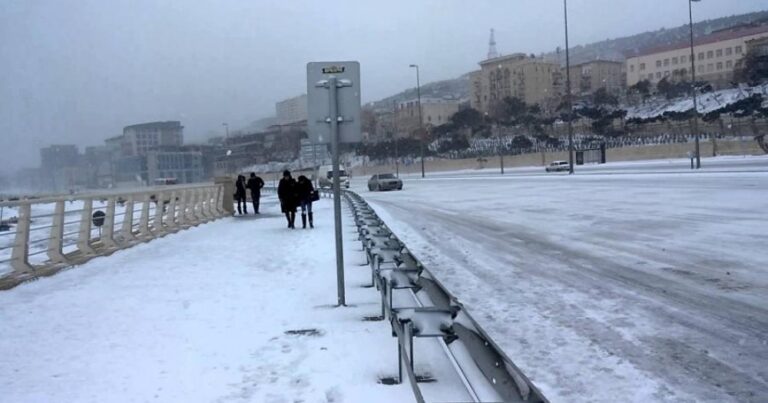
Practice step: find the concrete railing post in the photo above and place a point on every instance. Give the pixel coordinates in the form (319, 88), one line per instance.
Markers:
(127, 229)
(144, 220)
(212, 199)
(157, 222)
(220, 202)
(170, 217)
(200, 210)
(108, 235)
(181, 213)
(191, 207)
(228, 190)
(20, 254)
(56, 243)
(84, 236)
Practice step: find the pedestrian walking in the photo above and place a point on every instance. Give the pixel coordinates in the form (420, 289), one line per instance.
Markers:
(306, 194)
(286, 191)
(255, 184)
(240, 195)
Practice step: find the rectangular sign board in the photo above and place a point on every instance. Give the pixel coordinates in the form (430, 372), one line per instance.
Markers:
(348, 101)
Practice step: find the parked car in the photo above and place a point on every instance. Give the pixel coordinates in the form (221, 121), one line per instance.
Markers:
(558, 166)
(384, 182)
(325, 177)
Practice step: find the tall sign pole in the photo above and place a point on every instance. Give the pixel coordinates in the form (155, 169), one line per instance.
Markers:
(335, 116)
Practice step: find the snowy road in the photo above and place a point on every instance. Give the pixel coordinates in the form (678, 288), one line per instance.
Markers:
(606, 288)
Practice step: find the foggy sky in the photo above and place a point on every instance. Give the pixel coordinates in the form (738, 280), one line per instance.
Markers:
(79, 71)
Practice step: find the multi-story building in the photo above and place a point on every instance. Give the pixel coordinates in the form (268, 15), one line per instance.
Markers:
(586, 78)
(185, 166)
(531, 79)
(139, 139)
(435, 112)
(98, 163)
(292, 110)
(59, 156)
(716, 57)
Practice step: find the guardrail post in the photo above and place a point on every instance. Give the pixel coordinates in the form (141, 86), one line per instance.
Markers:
(20, 254)
(170, 217)
(56, 243)
(228, 189)
(84, 238)
(108, 236)
(127, 229)
(144, 220)
(157, 222)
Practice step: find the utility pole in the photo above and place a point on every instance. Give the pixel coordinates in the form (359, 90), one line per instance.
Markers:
(421, 121)
(568, 91)
(695, 126)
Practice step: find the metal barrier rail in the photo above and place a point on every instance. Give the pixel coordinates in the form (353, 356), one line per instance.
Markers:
(435, 313)
(64, 237)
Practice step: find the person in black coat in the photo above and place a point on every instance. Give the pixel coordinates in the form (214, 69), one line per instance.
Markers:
(255, 184)
(305, 190)
(240, 194)
(286, 191)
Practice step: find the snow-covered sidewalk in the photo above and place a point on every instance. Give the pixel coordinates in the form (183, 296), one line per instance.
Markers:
(241, 310)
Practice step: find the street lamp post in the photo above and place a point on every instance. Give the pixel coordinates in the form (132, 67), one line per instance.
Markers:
(421, 121)
(695, 126)
(568, 91)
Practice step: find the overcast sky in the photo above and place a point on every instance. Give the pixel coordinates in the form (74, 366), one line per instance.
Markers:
(76, 71)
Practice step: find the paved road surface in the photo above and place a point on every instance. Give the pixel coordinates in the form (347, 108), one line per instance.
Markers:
(606, 288)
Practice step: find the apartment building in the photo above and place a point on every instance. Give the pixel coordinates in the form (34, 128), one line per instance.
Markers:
(716, 57)
(291, 110)
(435, 112)
(528, 78)
(586, 78)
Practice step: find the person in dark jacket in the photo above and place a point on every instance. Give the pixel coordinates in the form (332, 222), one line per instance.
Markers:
(286, 191)
(305, 190)
(255, 184)
(240, 194)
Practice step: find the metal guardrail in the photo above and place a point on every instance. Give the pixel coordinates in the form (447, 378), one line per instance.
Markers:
(436, 313)
(48, 237)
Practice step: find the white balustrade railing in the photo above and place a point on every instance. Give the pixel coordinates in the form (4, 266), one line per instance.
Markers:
(54, 232)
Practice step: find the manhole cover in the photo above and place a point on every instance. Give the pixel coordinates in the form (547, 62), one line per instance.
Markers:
(304, 332)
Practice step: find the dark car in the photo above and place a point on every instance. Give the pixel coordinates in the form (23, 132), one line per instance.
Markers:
(384, 182)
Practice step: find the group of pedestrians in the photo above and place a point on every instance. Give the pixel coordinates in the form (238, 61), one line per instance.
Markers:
(292, 193)
(255, 184)
(296, 193)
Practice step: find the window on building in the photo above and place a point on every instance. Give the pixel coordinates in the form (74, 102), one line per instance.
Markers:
(631, 68)
(701, 55)
(738, 50)
(642, 66)
(710, 68)
(710, 54)
(729, 64)
(683, 59)
(658, 63)
(658, 74)
(700, 69)
(650, 76)
(728, 51)
(719, 66)
(674, 60)
(666, 62)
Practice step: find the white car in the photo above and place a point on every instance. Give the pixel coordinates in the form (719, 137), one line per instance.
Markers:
(558, 166)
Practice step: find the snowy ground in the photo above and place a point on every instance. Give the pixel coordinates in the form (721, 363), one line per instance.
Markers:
(205, 315)
(603, 287)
